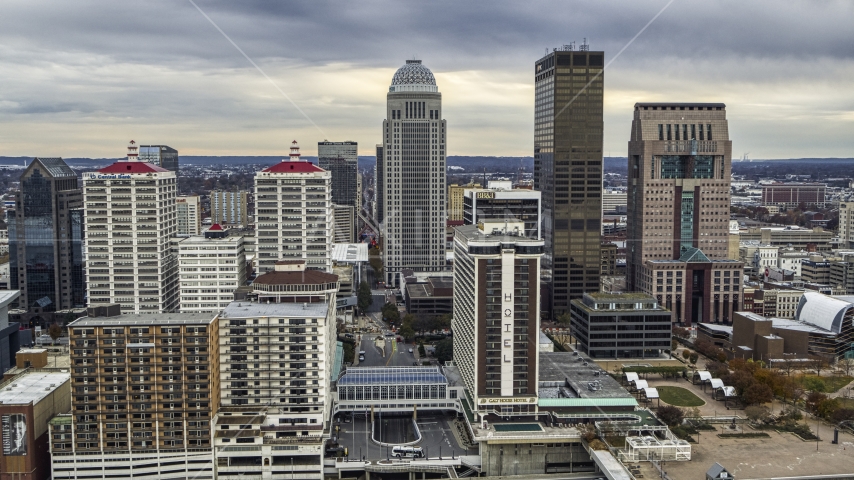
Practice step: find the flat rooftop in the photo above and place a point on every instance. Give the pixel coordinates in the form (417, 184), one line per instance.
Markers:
(350, 252)
(32, 387)
(564, 368)
(145, 319)
(246, 309)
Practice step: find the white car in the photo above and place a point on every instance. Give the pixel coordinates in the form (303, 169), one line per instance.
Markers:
(410, 350)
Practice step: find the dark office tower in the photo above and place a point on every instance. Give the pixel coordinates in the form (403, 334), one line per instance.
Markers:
(378, 191)
(568, 170)
(160, 155)
(680, 158)
(45, 238)
(341, 159)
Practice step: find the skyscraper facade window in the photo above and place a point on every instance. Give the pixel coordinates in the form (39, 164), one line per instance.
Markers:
(496, 318)
(568, 171)
(229, 208)
(46, 230)
(293, 214)
(131, 217)
(414, 205)
(341, 159)
(189, 215)
(680, 159)
(160, 155)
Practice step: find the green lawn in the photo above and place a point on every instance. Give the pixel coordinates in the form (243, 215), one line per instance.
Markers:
(679, 397)
(830, 384)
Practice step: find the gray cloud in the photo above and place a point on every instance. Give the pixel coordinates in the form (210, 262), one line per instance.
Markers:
(159, 68)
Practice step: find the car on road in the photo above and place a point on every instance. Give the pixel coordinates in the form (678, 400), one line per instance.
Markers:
(414, 364)
(410, 350)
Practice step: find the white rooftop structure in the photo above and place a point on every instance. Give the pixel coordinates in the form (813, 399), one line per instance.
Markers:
(32, 387)
(631, 376)
(717, 383)
(822, 311)
(350, 252)
(650, 393)
(704, 375)
(641, 384)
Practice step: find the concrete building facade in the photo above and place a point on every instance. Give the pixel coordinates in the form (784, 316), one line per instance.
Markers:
(496, 320)
(413, 188)
(680, 158)
(144, 391)
(293, 214)
(211, 268)
(499, 204)
(456, 193)
(131, 217)
(230, 208)
(791, 195)
(189, 215)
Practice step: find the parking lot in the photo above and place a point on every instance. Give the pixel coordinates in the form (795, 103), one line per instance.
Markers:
(437, 431)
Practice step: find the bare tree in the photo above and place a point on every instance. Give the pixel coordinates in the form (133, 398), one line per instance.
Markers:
(845, 364)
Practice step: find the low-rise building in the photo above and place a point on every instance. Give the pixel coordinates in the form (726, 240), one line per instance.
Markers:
(433, 297)
(27, 402)
(620, 325)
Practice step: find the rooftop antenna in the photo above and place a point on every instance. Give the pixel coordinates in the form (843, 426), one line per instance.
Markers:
(584, 46)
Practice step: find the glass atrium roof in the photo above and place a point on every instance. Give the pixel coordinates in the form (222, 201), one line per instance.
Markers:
(392, 376)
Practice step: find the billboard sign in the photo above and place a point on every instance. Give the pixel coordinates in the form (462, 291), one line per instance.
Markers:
(14, 434)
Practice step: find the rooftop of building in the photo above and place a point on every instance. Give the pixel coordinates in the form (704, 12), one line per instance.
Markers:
(413, 73)
(571, 375)
(473, 233)
(6, 297)
(823, 311)
(304, 277)
(350, 252)
(628, 302)
(199, 239)
(131, 168)
(678, 105)
(31, 387)
(247, 309)
(56, 167)
(156, 319)
(297, 166)
(392, 376)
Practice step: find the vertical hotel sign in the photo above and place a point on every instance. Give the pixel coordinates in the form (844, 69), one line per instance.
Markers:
(14, 434)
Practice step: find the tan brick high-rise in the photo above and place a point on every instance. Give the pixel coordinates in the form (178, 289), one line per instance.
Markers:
(680, 160)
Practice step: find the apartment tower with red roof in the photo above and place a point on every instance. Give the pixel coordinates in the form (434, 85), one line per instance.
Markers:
(293, 214)
(131, 216)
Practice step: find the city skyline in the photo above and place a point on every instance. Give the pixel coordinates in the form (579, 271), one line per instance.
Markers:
(95, 82)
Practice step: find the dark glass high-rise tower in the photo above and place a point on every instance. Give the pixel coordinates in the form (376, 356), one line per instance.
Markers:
(45, 238)
(341, 159)
(568, 171)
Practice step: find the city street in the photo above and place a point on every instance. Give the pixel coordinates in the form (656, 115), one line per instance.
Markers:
(392, 355)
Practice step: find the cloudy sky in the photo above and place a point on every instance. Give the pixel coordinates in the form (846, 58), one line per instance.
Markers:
(82, 78)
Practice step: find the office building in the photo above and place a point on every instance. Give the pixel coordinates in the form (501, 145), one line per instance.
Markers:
(144, 391)
(341, 159)
(620, 325)
(496, 319)
(229, 208)
(276, 353)
(455, 200)
(46, 238)
(435, 297)
(10, 334)
(131, 217)
(293, 214)
(846, 224)
(568, 171)
(414, 168)
(189, 215)
(794, 194)
(500, 202)
(680, 158)
(814, 239)
(27, 401)
(379, 183)
(614, 202)
(345, 227)
(211, 268)
(160, 155)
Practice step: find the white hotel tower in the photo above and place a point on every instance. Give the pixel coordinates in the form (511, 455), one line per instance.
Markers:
(414, 170)
(130, 216)
(293, 214)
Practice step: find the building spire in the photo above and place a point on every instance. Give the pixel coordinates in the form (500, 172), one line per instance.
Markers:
(133, 152)
(295, 155)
